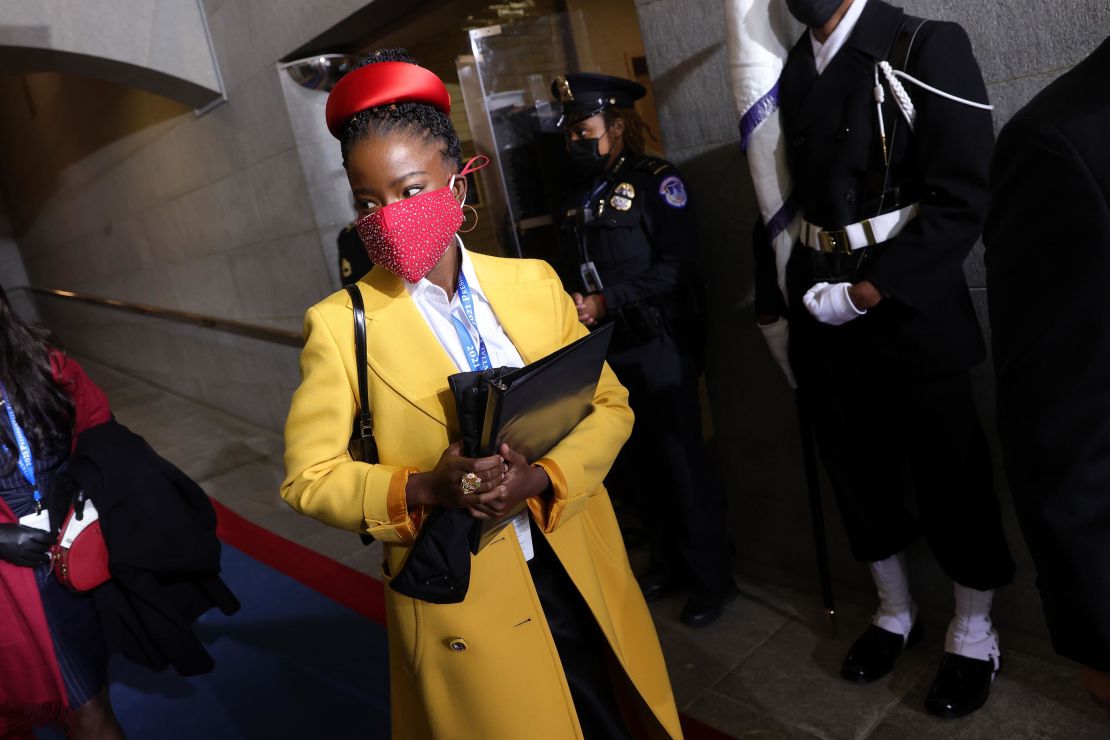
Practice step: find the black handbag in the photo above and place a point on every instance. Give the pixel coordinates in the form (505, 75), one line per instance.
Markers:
(362, 446)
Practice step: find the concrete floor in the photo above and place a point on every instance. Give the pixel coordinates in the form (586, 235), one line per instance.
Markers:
(767, 669)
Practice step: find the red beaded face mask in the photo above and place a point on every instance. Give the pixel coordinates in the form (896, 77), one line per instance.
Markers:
(409, 236)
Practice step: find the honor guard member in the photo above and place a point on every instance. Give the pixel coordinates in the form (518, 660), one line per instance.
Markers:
(354, 262)
(629, 252)
(888, 141)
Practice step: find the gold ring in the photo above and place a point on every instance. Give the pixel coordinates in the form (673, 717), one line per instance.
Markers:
(470, 483)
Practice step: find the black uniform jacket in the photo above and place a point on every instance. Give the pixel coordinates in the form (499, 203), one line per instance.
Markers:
(1048, 285)
(927, 325)
(160, 529)
(641, 237)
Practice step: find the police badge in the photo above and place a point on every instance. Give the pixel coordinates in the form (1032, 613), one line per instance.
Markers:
(622, 196)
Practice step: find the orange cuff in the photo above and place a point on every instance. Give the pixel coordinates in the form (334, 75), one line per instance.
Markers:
(405, 522)
(547, 512)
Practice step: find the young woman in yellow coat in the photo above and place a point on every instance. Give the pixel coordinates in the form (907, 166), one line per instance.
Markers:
(553, 639)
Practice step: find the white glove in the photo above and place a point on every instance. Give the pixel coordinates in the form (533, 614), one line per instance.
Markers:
(777, 336)
(830, 304)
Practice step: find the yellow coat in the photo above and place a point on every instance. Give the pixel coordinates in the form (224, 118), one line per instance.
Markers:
(507, 682)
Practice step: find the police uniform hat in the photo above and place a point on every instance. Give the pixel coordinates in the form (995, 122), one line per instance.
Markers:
(584, 94)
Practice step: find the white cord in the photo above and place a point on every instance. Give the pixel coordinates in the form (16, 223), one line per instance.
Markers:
(903, 98)
(880, 98)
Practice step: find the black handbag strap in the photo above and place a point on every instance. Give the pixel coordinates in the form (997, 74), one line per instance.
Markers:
(365, 420)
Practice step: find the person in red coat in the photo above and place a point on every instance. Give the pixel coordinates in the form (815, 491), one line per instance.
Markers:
(53, 666)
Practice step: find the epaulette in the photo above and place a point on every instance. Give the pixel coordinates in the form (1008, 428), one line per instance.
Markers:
(654, 165)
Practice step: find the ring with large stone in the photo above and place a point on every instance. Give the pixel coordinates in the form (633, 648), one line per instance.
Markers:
(470, 483)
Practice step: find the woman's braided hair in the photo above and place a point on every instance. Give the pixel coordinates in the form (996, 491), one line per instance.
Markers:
(419, 119)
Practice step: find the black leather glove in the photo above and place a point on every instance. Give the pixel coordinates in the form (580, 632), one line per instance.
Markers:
(24, 545)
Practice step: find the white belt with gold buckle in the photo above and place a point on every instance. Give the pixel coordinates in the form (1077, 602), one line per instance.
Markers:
(866, 233)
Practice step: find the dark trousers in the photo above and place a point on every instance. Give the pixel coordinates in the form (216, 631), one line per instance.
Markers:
(878, 437)
(581, 645)
(666, 468)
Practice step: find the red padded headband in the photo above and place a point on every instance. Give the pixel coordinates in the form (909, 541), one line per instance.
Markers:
(383, 83)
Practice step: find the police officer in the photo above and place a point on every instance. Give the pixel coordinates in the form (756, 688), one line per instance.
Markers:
(629, 258)
(354, 262)
(890, 179)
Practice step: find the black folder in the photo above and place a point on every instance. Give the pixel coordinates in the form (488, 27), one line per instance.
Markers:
(533, 407)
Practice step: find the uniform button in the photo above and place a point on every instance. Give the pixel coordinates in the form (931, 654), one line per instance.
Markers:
(799, 140)
(457, 644)
(850, 195)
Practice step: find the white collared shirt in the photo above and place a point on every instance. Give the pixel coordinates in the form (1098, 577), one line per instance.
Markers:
(823, 53)
(431, 300)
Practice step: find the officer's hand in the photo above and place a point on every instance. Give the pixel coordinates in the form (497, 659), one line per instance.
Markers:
(864, 295)
(583, 312)
(830, 304)
(591, 308)
(1097, 684)
(22, 545)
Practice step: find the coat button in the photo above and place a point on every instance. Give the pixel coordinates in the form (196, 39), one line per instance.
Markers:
(457, 644)
(850, 195)
(799, 140)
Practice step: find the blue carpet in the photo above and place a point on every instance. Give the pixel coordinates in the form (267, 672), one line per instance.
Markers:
(291, 664)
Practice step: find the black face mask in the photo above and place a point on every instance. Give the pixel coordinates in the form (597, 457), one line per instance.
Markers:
(585, 158)
(813, 13)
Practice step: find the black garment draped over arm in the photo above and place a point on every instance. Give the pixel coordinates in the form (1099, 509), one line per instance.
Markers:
(1048, 279)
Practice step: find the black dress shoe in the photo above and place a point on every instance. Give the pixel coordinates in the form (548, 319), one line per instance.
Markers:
(962, 685)
(702, 610)
(655, 584)
(872, 655)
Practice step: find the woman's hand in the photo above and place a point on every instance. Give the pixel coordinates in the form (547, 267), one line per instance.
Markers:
(442, 486)
(522, 481)
(25, 546)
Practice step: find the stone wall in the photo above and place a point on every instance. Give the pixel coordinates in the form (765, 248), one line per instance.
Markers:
(1021, 47)
(117, 192)
(159, 47)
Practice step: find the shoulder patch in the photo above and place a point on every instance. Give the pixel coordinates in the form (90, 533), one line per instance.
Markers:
(673, 192)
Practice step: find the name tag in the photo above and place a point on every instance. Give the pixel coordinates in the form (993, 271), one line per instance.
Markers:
(37, 521)
(524, 534)
(591, 280)
(75, 527)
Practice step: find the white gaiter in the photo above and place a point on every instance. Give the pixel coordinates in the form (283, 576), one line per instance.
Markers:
(970, 633)
(897, 611)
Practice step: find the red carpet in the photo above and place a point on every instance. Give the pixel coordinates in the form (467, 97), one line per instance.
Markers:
(347, 586)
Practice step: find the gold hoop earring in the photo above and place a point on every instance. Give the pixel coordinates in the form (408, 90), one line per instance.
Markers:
(475, 225)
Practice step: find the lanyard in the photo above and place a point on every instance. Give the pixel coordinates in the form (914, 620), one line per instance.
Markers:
(26, 459)
(580, 232)
(477, 357)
